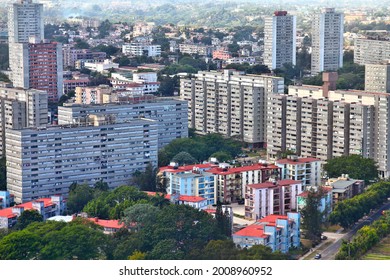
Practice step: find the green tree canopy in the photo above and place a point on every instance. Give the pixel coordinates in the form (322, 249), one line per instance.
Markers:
(27, 217)
(312, 216)
(79, 196)
(356, 166)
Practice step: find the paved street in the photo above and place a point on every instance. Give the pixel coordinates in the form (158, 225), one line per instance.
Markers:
(330, 251)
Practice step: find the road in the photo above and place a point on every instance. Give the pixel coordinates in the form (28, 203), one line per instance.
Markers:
(330, 252)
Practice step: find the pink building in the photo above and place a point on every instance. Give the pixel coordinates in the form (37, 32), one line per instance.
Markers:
(45, 68)
(70, 85)
(221, 54)
(272, 197)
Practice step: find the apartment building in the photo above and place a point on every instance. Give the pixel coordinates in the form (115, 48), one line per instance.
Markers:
(327, 123)
(344, 187)
(371, 51)
(6, 199)
(139, 49)
(170, 114)
(42, 162)
(221, 54)
(194, 182)
(20, 108)
(279, 39)
(100, 66)
(25, 19)
(230, 103)
(327, 41)
(306, 170)
(271, 197)
(71, 85)
(71, 56)
(47, 207)
(377, 77)
(231, 181)
(228, 182)
(279, 232)
(38, 64)
(199, 49)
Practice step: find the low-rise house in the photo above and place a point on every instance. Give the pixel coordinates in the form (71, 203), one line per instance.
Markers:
(344, 187)
(176, 198)
(47, 207)
(109, 226)
(280, 233)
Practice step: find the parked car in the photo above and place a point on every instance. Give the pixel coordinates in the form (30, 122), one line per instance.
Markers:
(317, 257)
(323, 237)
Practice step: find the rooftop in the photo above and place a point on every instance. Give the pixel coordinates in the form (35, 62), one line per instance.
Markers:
(297, 161)
(107, 223)
(185, 198)
(7, 212)
(257, 229)
(276, 184)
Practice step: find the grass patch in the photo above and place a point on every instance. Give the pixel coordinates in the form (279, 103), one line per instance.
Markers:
(379, 252)
(332, 228)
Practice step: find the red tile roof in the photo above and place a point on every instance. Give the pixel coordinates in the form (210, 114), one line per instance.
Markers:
(107, 223)
(7, 212)
(187, 167)
(185, 198)
(257, 229)
(232, 170)
(298, 161)
(270, 184)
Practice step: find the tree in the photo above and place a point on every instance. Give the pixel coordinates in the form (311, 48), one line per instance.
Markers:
(74, 241)
(101, 186)
(220, 250)
(184, 158)
(27, 217)
(222, 156)
(20, 245)
(356, 166)
(4, 60)
(145, 181)
(79, 197)
(137, 255)
(140, 214)
(80, 44)
(3, 174)
(261, 252)
(312, 216)
(223, 220)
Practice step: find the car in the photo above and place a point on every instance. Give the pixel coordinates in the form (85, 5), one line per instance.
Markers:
(323, 237)
(317, 257)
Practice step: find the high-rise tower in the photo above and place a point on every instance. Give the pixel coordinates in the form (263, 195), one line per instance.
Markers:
(279, 40)
(327, 41)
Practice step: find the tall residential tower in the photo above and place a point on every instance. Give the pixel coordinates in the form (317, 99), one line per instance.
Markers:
(279, 40)
(327, 41)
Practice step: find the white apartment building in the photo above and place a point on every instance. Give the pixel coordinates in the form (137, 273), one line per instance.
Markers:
(170, 114)
(323, 123)
(139, 49)
(101, 66)
(377, 77)
(327, 41)
(196, 49)
(42, 162)
(20, 108)
(279, 40)
(370, 51)
(25, 20)
(306, 170)
(230, 103)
